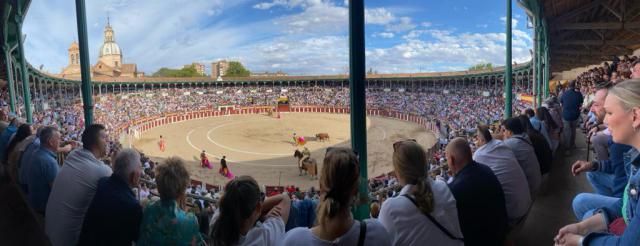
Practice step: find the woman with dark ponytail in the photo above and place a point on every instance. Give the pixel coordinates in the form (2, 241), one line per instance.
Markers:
(335, 224)
(244, 217)
(425, 210)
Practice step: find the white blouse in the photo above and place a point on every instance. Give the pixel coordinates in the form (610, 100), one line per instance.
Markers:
(376, 235)
(408, 226)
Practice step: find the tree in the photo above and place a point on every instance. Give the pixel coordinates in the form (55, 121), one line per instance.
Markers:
(481, 66)
(188, 71)
(236, 69)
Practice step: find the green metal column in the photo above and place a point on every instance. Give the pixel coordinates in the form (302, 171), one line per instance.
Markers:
(85, 72)
(507, 71)
(547, 74)
(357, 95)
(538, 54)
(12, 90)
(26, 94)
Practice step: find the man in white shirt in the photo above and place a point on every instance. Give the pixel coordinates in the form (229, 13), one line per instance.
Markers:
(75, 186)
(502, 161)
(518, 141)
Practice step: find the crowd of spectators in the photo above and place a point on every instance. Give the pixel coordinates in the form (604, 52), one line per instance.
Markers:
(474, 190)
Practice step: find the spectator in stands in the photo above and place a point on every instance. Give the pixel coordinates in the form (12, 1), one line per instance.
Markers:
(540, 145)
(596, 135)
(635, 70)
(166, 221)
(607, 176)
(24, 131)
(553, 129)
(335, 224)
(617, 223)
(6, 135)
(25, 150)
(114, 216)
(538, 125)
(518, 141)
(75, 187)
(479, 197)
(43, 170)
(425, 210)
(495, 154)
(4, 121)
(303, 212)
(571, 101)
(375, 209)
(245, 217)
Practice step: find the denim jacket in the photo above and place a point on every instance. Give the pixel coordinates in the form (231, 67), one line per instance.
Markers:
(614, 211)
(616, 165)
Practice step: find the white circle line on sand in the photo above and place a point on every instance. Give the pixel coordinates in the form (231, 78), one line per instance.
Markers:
(384, 132)
(188, 138)
(238, 150)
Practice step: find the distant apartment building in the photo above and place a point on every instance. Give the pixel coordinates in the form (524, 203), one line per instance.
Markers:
(219, 68)
(268, 74)
(198, 66)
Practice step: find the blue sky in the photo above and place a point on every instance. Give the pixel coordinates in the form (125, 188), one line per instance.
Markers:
(296, 36)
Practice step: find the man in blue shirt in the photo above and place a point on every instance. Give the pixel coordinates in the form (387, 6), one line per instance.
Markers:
(608, 175)
(43, 169)
(25, 162)
(479, 197)
(571, 102)
(6, 135)
(114, 216)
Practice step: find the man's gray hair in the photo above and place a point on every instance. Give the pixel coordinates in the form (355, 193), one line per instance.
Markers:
(46, 133)
(126, 163)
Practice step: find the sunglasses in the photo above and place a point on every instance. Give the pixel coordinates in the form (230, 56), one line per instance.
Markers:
(331, 149)
(396, 144)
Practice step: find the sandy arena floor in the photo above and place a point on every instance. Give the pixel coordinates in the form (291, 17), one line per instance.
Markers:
(262, 146)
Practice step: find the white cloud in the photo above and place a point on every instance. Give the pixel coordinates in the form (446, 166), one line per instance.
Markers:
(379, 16)
(445, 50)
(514, 21)
(311, 38)
(383, 35)
(287, 4)
(317, 19)
(404, 24)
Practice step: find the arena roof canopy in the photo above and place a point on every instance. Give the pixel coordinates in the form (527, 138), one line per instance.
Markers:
(585, 32)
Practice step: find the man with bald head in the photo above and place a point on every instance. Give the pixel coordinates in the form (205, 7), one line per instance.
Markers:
(479, 197)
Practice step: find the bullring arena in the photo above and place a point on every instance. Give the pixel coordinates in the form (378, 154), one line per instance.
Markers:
(260, 145)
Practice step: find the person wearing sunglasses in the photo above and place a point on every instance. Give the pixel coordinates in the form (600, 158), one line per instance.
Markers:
(245, 217)
(335, 225)
(425, 210)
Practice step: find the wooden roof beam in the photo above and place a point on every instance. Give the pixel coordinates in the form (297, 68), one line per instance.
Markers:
(585, 53)
(612, 10)
(578, 59)
(599, 42)
(577, 11)
(598, 25)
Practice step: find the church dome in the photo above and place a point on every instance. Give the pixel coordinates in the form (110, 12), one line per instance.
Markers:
(110, 48)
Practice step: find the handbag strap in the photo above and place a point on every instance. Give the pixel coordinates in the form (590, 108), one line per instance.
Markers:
(434, 221)
(363, 233)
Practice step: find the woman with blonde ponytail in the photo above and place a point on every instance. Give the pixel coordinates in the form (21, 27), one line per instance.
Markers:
(425, 210)
(335, 224)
